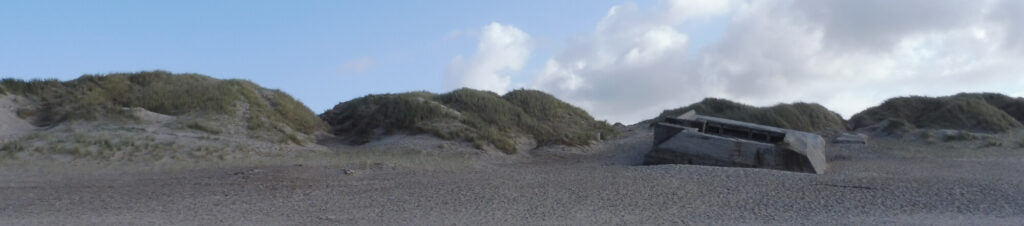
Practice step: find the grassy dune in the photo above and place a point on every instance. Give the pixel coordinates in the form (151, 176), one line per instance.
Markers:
(978, 112)
(521, 118)
(481, 117)
(104, 97)
(797, 116)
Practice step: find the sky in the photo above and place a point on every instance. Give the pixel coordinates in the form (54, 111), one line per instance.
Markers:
(622, 61)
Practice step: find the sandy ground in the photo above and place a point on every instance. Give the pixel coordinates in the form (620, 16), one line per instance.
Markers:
(12, 126)
(886, 182)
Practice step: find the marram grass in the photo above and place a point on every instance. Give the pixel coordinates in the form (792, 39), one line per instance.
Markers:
(978, 112)
(480, 117)
(95, 97)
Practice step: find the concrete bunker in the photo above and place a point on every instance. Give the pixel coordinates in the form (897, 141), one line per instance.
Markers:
(704, 140)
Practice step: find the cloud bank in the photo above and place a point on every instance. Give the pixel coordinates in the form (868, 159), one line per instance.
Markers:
(502, 51)
(846, 55)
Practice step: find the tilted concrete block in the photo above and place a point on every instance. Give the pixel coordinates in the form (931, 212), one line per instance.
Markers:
(703, 140)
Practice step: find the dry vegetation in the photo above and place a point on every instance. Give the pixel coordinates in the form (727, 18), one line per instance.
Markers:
(976, 112)
(217, 115)
(797, 116)
(481, 117)
(153, 116)
(267, 114)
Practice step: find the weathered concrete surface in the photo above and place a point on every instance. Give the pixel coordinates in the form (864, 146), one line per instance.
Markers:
(704, 149)
(703, 140)
(809, 150)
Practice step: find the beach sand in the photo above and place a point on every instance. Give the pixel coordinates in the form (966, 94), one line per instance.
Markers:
(884, 182)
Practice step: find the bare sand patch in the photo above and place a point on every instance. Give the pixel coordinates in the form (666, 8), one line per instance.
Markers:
(12, 126)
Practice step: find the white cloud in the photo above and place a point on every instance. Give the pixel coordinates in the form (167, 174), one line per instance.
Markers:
(633, 64)
(847, 55)
(357, 66)
(502, 51)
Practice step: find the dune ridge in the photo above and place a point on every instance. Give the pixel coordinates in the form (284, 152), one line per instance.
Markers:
(518, 120)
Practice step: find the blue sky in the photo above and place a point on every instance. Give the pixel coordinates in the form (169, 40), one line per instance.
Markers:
(621, 60)
(300, 47)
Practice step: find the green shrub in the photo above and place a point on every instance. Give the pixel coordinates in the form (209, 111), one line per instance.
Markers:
(797, 116)
(480, 117)
(983, 112)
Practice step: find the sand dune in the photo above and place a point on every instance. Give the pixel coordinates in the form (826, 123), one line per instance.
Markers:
(886, 182)
(254, 156)
(12, 126)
